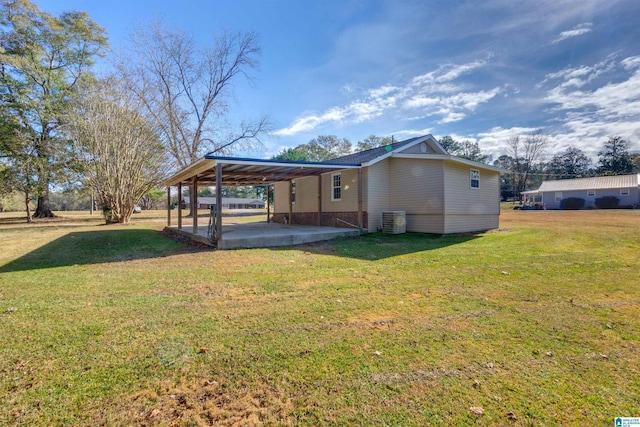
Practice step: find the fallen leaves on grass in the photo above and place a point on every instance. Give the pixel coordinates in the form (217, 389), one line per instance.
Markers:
(477, 410)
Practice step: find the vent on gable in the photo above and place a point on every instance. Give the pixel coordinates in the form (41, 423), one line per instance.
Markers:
(394, 222)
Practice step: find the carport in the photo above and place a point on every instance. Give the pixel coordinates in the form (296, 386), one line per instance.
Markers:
(233, 171)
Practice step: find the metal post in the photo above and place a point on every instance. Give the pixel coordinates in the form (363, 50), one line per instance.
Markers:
(179, 206)
(319, 199)
(290, 202)
(168, 206)
(194, 199)
(218, 204)
(268, 204)
(360, 198)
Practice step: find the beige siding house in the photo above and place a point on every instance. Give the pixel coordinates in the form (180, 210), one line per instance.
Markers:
(439, 193)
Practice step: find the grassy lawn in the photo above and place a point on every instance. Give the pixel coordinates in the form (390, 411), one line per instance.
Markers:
(537, 323)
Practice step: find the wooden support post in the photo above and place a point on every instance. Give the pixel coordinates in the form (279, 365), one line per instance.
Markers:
(179, 206)
(360, 198)
(168, 206)
(319, 199)
(268, 204)
(218, 204)
(194, 200)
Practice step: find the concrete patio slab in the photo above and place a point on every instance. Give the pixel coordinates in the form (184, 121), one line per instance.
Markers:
(265, 235)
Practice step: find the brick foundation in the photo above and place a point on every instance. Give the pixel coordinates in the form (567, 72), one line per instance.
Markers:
(328, 219)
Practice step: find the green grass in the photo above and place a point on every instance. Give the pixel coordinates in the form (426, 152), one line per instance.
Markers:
(112, 325)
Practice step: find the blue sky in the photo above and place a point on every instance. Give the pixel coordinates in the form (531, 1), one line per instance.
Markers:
(478, 70)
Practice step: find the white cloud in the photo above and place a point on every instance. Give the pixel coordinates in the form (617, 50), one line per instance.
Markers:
(404, 133)
(447, 73)
(576, 31)
(452, 117)
(429, 94)
(580, 76)
(631, 62)
(620, 99)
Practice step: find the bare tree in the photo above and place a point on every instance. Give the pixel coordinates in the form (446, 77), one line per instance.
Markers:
(526, 152)
(186, 89)
(121, 154)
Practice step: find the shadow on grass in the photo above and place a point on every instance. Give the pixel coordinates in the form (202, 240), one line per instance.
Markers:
(95, 247)
(376, 246)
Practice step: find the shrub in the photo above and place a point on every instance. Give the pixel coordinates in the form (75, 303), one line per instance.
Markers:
(607, 202)
(572, 203)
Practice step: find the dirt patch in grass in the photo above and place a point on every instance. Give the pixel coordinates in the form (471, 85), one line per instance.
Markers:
(202, 403)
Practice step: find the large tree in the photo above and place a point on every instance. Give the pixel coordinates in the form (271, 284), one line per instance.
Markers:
(614, 158)
(373, 141)
(187, 88)
(449, 144)
(120, 152)
(21, 171)
(319, 149)
(296, 154)
(507, 180)
(466, 149)
(526, 152)
(43, 58)
(572, 163)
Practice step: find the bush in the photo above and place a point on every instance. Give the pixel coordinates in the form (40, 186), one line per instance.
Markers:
(572, 203)
(607, 202)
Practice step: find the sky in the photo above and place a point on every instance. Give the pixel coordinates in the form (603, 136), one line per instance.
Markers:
(482, 70)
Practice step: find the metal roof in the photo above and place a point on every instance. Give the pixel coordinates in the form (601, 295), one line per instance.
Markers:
(243, 171)
(595, 183)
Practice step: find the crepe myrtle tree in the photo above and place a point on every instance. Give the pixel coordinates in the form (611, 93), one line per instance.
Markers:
(121, 155)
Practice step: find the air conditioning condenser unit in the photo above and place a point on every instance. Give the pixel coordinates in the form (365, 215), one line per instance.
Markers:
(394, 222)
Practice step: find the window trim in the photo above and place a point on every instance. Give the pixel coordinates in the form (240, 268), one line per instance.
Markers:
(473, 178)
(558, 196)
(334, 187)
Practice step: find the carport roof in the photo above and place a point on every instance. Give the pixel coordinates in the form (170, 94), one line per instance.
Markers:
(246, 171)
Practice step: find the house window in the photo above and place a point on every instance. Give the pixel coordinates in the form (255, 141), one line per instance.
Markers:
(475, 178)
(591, 193)
(293, 191)
(624, 191)
(558, 196)
(336, 187)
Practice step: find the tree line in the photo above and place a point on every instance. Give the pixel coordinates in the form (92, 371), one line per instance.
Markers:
(528, 167)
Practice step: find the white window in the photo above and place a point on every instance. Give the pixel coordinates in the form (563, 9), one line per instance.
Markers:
(591, 193)
(624, 191)
(475, 178)
(558, 196)
(293, 191)
(336, 187)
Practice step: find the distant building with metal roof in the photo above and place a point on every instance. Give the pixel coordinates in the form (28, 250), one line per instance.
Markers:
(550, 194)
